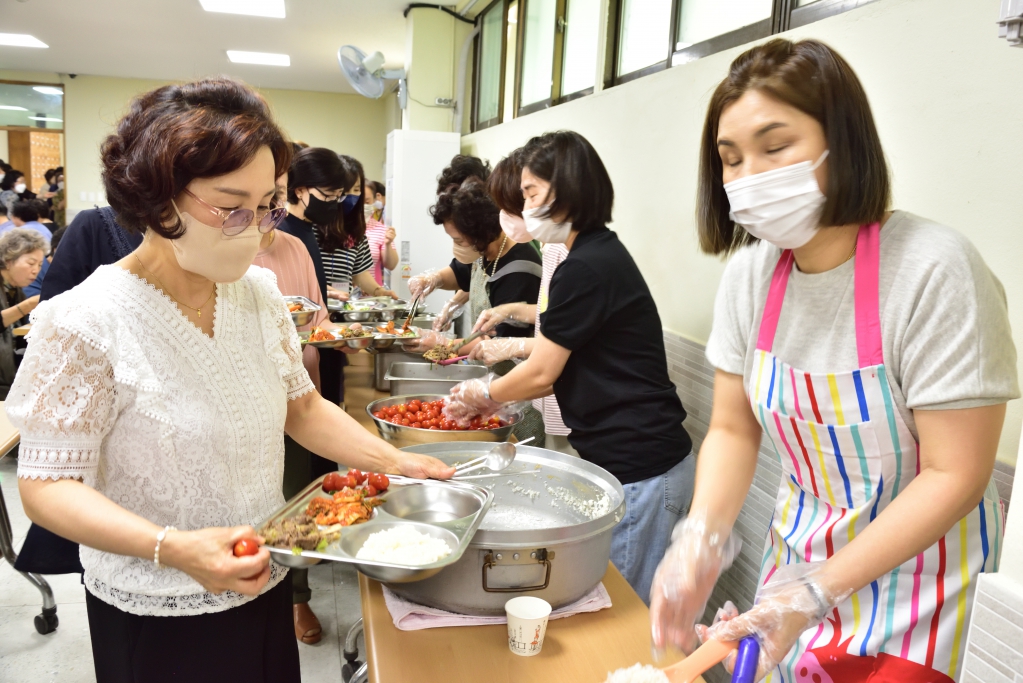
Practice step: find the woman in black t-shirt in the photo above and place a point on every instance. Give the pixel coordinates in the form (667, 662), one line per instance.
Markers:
(600, 352)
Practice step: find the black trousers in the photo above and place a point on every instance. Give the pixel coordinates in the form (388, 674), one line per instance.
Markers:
(254, 643)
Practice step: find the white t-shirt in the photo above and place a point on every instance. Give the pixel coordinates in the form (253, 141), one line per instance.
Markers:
(944, 319)
(119, 389)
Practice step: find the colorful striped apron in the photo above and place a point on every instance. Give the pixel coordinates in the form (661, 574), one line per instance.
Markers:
(846, 453)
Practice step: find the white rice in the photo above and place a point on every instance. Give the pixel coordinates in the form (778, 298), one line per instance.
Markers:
(637, 673)
(403, 544)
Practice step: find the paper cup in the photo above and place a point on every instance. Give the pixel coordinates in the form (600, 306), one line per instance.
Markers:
(527, 624)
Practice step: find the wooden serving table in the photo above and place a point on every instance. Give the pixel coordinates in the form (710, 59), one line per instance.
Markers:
(582, 648)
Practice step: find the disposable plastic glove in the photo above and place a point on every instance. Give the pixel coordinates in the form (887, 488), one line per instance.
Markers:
(493, 351)
(448, 312)
(685, 578)
(505, 313)
(426, 341)
(424, 283)
(792, 601)
(470, 399)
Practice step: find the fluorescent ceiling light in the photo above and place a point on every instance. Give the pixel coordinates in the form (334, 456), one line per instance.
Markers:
(48, 90)
(267, 58)
(9, 107)
(21, 40)
(256, 8)
(45, 118)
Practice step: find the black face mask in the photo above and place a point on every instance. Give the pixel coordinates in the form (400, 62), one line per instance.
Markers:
(321, 212)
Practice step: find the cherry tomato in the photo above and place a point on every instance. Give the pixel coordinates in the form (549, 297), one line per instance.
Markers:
(405, 422)
(371, 490)
(402, 408)
(379, 481)
(348, 481)
(417, 425)
(360, 477)
(332, 482)
(246, 546)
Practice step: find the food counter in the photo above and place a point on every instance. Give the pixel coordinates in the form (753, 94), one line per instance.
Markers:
(578, 649)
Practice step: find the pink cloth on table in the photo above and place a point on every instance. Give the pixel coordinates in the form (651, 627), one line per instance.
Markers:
(289, 260)
(408, 616)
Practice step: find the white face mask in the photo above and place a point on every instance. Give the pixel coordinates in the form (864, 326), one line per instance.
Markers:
(515, 228)
(60, 185)
(205, 250)
(378, 205)
(545, 229)
(781, 206)
(464, 254)
(20, 188)
(367, 210)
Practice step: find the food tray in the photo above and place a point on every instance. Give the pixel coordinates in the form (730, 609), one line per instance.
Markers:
(451, 511)
(353, 343)
(383, 340)
(308, 312)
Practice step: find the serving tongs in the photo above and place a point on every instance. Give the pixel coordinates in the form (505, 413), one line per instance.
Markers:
(413, 309)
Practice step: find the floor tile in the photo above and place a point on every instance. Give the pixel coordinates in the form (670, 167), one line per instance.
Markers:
(64, 656)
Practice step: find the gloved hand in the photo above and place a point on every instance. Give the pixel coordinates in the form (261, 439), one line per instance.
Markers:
(505, 313)
(493, 351)
(792, 601)
(448, 312)
(470, 399)
(424, 283)
(426, 341)
(685, 578)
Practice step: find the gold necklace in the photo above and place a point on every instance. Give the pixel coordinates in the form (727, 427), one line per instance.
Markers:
(500, 251)
(198, 311)
(853, 252)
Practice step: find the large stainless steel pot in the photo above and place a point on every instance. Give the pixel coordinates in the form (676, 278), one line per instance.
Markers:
(510, 555)
(401, 436)
(382, 364)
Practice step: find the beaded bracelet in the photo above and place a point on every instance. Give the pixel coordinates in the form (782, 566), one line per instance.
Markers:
(159, 539)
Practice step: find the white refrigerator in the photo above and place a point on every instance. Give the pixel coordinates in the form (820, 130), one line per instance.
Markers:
(415, 159)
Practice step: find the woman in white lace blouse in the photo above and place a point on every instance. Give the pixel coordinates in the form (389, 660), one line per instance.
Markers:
(154, 397)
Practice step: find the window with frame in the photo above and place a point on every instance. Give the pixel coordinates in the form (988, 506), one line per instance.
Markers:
(644, 32)
(582, 42)
(490, 66)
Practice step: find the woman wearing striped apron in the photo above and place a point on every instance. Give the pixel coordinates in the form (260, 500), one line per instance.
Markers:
(873, 349)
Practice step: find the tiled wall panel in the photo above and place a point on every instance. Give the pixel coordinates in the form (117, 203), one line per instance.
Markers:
(994, 647)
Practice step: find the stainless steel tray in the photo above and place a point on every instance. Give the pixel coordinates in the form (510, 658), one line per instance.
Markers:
(353, 343)
(451, 511)
(308, 312)
(429, 378)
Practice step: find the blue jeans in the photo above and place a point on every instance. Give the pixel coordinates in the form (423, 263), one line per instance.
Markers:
(652, 507)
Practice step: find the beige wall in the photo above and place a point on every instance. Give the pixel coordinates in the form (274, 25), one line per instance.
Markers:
(348, 124)
(940, 83)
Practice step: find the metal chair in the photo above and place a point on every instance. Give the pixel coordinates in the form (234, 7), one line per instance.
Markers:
(354, 671)
(46, 622)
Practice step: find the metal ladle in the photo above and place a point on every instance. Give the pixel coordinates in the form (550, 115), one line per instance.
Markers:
(499, 458)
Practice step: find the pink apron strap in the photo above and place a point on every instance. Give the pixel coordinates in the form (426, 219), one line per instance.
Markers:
(868, 320)
(775, 297)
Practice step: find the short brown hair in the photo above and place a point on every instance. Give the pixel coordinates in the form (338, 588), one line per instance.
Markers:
(813, 78)
(580, 184)
(177, 133)
(505, 184)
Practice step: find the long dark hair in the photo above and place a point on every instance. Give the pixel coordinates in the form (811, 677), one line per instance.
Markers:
(352, 224)
(814, 79)
(319, 167)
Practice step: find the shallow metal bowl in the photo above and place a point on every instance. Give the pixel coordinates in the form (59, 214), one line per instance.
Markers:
(353, 541)
(401, 436)
(431, 504)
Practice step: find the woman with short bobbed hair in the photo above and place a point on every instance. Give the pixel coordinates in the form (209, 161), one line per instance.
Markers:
(22, 252)
(873, 348)
(600, 350)
(154, 398)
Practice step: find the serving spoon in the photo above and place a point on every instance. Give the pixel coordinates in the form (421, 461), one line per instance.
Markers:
(499, 457)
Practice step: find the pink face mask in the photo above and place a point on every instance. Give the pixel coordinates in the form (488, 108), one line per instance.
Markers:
(515, 228)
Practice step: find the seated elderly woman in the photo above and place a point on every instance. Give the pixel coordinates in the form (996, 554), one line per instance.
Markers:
(22, 253)
(154, 398)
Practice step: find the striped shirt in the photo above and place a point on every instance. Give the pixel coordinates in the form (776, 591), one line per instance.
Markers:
(553, 255)
(375, 233)
(341, 264)
(289, 260)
